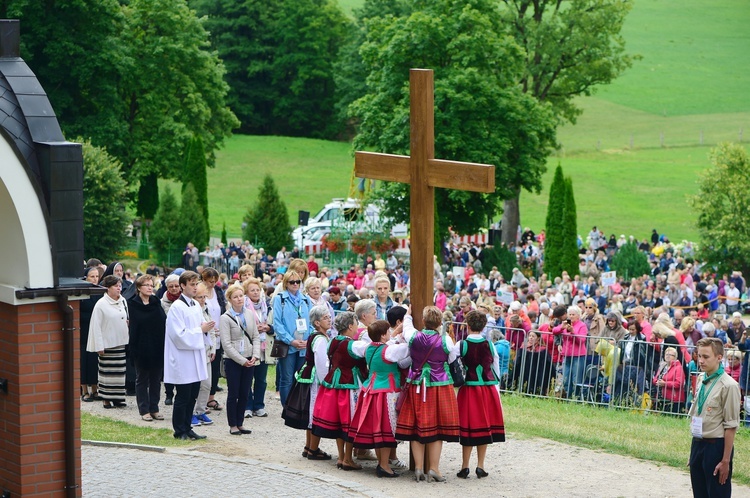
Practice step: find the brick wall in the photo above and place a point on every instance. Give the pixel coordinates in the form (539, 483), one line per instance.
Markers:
(32, 452)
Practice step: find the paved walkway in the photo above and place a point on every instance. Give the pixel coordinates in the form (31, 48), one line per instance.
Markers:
(116, 471)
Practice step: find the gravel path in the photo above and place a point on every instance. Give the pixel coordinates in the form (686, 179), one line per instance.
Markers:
(268, 463)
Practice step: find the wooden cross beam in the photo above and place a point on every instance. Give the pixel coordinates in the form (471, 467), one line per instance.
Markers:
(423, 173)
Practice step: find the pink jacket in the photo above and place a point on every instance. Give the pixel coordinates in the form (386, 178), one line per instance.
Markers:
(441, 300)
(573, 344)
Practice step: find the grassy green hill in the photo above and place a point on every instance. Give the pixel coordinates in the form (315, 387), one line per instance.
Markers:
(633, 154)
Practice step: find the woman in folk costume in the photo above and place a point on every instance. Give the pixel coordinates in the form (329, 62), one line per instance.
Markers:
(298, 410)
(374, 421)
(337, 395)
(480, 413)
(429, 414)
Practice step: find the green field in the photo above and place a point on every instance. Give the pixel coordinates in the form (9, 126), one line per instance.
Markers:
(633, 154)
(308, 173)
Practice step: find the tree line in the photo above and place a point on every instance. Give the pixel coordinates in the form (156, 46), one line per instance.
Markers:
(143, 78)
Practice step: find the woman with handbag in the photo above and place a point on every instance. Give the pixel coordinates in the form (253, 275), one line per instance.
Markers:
(374, 421)
(239, 335)
(255, 301)
(291, 310)
(480, 412)
(429, 414)
(337, 395)
(298, 411)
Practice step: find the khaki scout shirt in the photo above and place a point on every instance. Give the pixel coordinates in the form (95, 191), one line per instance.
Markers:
(722, 407)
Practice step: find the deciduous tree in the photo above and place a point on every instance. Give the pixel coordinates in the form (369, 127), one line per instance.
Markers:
(105, 219)
(279, 57)
(173, 88)
(569, 49)
(722, 205)
(481, 115)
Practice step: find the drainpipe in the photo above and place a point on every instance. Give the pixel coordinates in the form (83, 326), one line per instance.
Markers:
(71, 486)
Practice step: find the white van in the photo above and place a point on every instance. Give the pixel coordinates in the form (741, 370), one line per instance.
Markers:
(343, 211)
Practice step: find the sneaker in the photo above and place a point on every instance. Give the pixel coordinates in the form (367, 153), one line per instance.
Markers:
(168, 400)
(398, 464)
(248, 414)
(195, 422)
(260, 413)
(205, 420)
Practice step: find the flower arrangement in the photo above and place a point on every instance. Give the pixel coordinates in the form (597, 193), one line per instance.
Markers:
(333, 242)
(359, 242)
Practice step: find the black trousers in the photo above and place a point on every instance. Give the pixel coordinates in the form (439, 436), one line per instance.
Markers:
(147, 386)
(705, 455)
(184, 404)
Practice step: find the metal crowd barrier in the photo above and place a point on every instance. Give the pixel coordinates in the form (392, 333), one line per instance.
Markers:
(616, 375)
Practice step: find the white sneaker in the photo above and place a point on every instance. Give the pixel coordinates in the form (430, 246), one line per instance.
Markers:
(260, 413)
(248, 414)
(398, 464)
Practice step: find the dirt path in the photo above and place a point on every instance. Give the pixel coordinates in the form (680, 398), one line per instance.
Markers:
(518, 468)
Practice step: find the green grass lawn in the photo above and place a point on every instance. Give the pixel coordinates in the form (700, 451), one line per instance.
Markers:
(621, 191)
(695, 58)
(628, 192)
(650, 437)
(307, 172)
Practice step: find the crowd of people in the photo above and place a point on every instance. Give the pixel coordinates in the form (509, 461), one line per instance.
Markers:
(365, 378)
(350, 366)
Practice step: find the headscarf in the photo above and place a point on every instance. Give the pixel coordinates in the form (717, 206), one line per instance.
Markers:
(111, 268)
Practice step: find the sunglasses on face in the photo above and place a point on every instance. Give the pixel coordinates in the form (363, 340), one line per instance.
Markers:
(295, 282)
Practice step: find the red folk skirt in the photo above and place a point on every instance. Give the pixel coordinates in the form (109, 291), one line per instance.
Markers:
(480, 415)
(333, 412)
(374, 420)
(429, 416)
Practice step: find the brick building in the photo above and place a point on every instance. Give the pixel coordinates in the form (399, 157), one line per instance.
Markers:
(41, 229)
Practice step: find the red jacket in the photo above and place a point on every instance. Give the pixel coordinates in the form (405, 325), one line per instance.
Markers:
(674, 388)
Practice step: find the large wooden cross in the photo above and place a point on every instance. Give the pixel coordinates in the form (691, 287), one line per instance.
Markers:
(423, 172)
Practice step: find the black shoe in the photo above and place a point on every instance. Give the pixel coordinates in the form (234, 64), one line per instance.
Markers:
(182, 437)
(380, 471)
(193, 435)
(246, 431)
(168, 401)
(481, 473)
(464, 474)
(219, 389)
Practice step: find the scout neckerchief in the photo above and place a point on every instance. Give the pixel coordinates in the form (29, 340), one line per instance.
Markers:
(703, 393)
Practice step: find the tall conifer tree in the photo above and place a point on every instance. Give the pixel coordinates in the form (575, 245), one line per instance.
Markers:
(554, 226)
(569, 253)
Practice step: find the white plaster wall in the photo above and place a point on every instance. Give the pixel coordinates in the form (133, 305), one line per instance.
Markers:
(26, 258)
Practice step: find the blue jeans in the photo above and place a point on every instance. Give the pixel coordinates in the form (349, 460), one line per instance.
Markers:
(573, 367)
(287, 367)
(258, 388)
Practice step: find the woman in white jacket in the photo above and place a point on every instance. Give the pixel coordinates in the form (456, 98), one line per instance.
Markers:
(108, 335)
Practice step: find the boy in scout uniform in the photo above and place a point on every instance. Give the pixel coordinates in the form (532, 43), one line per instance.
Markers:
(714, 418)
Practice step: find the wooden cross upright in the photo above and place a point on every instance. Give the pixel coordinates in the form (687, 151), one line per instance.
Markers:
(423, 172)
